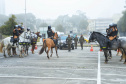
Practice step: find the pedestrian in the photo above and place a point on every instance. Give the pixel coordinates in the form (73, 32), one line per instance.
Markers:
(69, 40)
(75, 41)
(81, 39)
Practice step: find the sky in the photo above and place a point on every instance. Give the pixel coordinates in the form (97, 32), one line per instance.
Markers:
(51, 9)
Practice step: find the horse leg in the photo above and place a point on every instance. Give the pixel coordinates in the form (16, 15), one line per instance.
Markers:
(4, 52)
(110, 54)
(9, 51)
(48, 52)
(56, 52)
(33, 47)
(106, 57)
(51, 52)
(124, 51)
(27, 50)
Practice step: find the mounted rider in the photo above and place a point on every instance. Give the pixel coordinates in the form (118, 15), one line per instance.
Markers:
(51, 33)
(15, 34)
(112, 32)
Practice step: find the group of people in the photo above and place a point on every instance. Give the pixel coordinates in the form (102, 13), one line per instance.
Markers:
(69, 41)
(112, 32)
(18, 29)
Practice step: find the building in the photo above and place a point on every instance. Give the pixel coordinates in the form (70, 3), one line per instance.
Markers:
(91, 25)
(43, 32)
(2, 7)
(99, 25)
(102, 24)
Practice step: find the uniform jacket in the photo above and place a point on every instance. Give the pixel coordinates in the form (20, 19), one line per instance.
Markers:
(69, 40)
(81, 39)
(50, 33)
(75, 39)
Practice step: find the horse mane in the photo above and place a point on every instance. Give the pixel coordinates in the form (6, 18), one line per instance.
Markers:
(98, 33)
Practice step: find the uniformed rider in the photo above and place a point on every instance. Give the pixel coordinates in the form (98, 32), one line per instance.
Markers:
(112, 32)
(50, 32)
(15, 34)
(28, 29)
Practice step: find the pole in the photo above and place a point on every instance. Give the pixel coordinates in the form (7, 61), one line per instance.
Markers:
(25, 15)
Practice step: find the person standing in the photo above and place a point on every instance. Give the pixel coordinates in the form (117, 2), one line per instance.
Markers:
(69, 40)
(81, 39)
(75, 41)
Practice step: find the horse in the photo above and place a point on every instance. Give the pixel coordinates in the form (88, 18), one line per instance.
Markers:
(7, 45)
(34, 40)
(50, 44)
(102, 40)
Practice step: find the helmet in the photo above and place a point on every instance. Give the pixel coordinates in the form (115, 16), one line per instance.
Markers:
(112, 25)
(15, 26)
(19, 26)
(49, 27)
(22, 27)
(28, 29)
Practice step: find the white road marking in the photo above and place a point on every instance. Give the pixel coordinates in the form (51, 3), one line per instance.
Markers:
(62, 78)
(99, 70)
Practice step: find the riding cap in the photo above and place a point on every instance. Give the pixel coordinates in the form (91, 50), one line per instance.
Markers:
(49, 27)
(15, 26)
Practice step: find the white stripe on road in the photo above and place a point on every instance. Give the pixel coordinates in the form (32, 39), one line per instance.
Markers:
(62, 78)
(99, 70)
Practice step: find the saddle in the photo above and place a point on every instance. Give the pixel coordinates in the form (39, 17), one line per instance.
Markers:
(55, 41)
(14, 40)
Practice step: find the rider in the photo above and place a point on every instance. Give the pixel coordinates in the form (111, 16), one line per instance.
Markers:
(19, 29)
(112, 32)
(28, 29)
(15, 34)
(50, 33)
(22, 29)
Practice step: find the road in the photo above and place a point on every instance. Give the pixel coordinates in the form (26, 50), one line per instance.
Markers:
(75, 67)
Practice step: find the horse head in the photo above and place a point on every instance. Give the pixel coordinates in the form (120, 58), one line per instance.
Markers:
(92, 37)
(38, 34)
(55, 35)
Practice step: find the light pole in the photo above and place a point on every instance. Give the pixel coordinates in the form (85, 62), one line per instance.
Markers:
(25, 15)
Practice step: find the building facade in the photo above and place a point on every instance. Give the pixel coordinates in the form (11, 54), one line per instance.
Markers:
(99, 25)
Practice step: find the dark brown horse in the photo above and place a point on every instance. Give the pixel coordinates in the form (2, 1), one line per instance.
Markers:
(35, 41)
(50, 44)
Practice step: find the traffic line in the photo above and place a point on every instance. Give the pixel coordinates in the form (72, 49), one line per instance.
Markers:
(99, 70)
(61, 78)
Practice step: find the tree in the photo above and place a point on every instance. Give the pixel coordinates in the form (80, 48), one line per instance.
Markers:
(30, 20)
(7, 28)
(122, 25)
(60, 28)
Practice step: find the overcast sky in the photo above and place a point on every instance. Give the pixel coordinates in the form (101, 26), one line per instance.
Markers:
(46, 9)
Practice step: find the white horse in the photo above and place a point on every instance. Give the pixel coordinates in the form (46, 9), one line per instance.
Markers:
(24, 38)
(6, 45)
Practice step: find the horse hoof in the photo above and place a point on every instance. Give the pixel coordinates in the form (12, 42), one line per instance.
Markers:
(124, 63)
(106, 62)
(48, 57)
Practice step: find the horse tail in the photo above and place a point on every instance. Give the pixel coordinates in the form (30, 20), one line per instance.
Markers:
(1, 46)
(43, 47)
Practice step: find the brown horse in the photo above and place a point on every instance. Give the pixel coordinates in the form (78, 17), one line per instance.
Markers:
(34, 41)
(50, 44)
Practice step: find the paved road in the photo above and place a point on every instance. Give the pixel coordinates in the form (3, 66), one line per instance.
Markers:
(75, 67)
